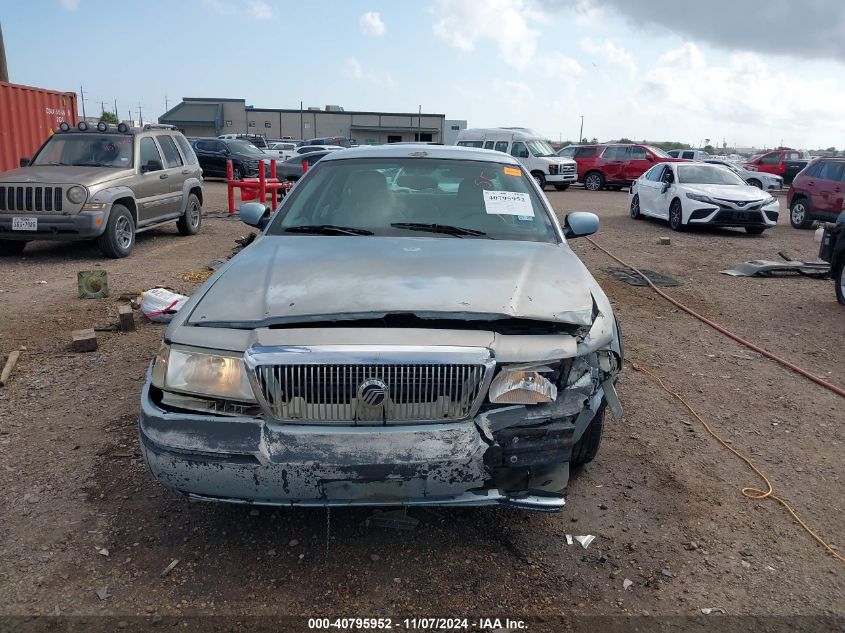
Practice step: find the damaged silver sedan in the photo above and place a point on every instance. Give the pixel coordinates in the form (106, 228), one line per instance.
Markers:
(410, 327)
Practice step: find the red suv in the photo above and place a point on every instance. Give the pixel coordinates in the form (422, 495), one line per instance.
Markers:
(615, 166)
(817, 193)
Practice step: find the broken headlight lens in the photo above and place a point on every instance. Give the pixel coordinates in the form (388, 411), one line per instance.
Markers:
(202, 373)
(517, 386)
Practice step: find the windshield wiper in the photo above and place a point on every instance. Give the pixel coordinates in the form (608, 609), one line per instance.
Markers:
(448, 229)
(327, 229)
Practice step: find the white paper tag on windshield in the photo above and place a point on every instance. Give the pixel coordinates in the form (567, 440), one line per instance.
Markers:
(508, 203)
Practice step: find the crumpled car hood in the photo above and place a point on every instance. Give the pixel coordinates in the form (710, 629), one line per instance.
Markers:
(300, 279)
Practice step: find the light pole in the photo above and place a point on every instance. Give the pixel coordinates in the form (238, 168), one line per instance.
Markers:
(581, 133)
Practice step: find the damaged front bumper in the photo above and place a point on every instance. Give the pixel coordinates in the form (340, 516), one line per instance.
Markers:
(516, 456)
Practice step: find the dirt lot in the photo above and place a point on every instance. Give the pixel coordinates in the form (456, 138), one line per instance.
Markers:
(80, 512)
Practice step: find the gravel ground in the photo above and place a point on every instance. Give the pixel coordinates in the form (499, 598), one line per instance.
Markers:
(80, 514)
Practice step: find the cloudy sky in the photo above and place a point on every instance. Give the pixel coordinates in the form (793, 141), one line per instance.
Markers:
(749, 73)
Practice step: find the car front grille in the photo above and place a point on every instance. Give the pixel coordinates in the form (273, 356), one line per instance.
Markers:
(393, 391)
(567, 169)
(740, 217)
(30, 198)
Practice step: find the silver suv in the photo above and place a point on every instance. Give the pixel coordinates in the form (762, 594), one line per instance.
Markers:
(105, 182)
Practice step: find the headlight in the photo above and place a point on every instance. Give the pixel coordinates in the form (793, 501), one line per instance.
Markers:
(202, 373)
(76, 194)
(769, 200)
(515, 386)
(700, 198)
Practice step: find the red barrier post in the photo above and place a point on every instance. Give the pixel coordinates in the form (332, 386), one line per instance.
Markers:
(274, 179)
(262, 183)
(304, 167)
(230, 190)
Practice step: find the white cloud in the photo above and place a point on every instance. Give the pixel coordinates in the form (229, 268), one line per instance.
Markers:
(260, 10)
(504, 22)
(220, 7)
(561, 67)
(371, 24)
(377, 77)
(69, 5)
(741, 94)
(611, 53)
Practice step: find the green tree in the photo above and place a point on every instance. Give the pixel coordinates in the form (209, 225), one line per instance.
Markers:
(709, 149)
(625, 139)
(831, 150)
(109, 117)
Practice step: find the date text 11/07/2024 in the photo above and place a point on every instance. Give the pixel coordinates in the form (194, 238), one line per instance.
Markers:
(422, 624)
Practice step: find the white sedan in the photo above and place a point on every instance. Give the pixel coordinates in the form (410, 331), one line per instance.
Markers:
(689, 194)
(759, 179)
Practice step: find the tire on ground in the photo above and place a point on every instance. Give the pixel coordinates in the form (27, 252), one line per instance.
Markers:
(119, 237)
(191, 220)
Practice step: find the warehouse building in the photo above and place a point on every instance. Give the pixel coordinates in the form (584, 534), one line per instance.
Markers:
(215, 116)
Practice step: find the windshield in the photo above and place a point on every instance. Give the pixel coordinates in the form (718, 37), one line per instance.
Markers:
(86, 150)
(707, 175)
(413, 197)
(658, 152)
(242, 147)
(540, 148)
(568, 152)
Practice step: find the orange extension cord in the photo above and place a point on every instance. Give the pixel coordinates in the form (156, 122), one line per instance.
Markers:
(748, 492)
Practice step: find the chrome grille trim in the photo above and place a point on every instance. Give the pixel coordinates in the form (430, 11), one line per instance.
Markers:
(319, 384)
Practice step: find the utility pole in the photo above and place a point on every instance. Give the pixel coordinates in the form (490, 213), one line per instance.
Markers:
(4, 69)
(115, 110)
(165, 102)
(82, 99)
(102, 107)
(581, 133)
(140, 116)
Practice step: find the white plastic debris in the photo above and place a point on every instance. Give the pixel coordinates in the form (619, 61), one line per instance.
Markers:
(160, 304)
(569, 540)
(709, 610)
(627, 583)
(585, 540)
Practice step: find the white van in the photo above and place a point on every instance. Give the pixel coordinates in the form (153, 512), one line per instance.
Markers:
(529, 148)
(689, 154)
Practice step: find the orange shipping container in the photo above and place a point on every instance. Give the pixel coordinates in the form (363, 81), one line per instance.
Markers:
(27, 117)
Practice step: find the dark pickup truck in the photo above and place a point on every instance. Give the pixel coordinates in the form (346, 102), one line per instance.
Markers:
(785, 163)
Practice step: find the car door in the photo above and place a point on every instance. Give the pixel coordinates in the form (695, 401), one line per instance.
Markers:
(612, 163)
(827, 193)
(637, 162)
(662, 194)
(152, 190)
(176, 173)
(205, 151)
(647, 189)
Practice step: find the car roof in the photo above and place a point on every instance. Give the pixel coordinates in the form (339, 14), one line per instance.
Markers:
(454, 152)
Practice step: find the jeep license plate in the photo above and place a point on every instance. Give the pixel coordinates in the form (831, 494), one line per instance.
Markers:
(24, 224)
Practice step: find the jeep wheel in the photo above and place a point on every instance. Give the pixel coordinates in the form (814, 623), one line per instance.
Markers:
(593, 181)
(587, 446)
(540, 178)
(840, 284)
(11, 247)
(798, 213)
(191, 220)
(119, 237)
(676, 216)
(562, 187)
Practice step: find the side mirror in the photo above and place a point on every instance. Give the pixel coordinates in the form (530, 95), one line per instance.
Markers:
(24, 162)
(252, 213)
(579, 224)
(649, 158)
(152, 165)
(665, 186)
